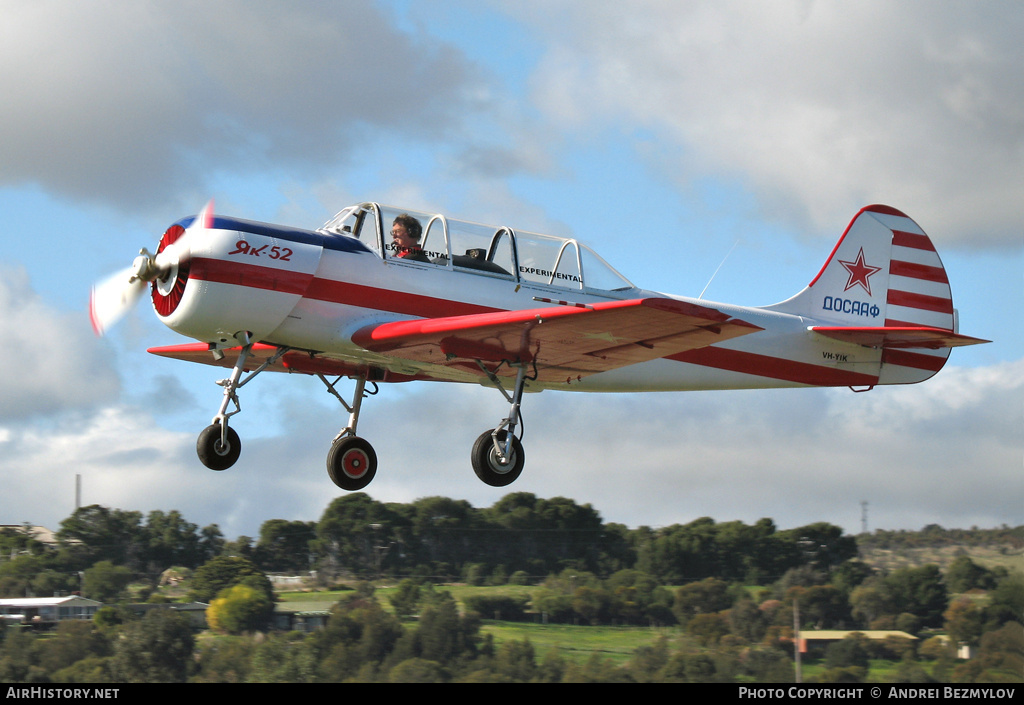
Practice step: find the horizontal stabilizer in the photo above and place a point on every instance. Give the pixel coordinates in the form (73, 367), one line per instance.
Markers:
(898, 336)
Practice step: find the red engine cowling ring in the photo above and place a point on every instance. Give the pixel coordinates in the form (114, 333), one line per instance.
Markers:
(167, 292)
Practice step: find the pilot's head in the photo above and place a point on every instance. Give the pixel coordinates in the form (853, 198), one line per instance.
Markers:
(406, 230)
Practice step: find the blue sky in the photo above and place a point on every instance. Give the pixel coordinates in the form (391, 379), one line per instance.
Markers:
(673, 138)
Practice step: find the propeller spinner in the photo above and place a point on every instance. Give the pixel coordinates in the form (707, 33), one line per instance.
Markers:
(113, 297)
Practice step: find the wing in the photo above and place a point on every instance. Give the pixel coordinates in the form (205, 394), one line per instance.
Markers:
(564, 342)
(898, 337)
(274, 359)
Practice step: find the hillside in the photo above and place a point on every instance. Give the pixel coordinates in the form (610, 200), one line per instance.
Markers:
(990, 548)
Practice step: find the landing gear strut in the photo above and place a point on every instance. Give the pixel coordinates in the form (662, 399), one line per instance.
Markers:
(497, 454)
(351, 462)
(218, 445)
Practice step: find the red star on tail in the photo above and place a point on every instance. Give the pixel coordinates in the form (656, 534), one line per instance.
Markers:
(859, 272)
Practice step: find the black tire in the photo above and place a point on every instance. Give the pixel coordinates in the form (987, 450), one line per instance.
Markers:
(485, 460)
(351, 463)
(213, 453)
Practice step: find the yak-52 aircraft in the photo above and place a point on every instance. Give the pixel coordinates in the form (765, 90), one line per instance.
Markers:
(380, 294)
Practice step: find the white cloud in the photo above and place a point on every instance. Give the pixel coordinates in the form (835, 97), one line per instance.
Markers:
(125, 103)
(797, 456)
(815, 107)
(818, 108)
(49, 360)
(126, 460)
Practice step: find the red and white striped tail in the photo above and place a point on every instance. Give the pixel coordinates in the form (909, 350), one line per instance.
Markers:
(919, 293)
(918, 296)
(884, 286)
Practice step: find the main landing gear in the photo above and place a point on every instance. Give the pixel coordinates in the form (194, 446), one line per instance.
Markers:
(497, 455)
(351, 462)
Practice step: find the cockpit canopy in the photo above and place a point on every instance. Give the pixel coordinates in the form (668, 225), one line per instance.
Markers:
(487, 250)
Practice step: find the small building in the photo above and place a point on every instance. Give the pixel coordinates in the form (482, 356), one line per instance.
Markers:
(39, 533)
(46, 612)
(816, 641)
(301, 616)
(195, 611)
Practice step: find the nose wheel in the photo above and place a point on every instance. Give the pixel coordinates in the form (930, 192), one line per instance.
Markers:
(216, 453)
(218, 446)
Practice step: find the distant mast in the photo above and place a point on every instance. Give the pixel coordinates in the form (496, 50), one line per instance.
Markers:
(78, 492)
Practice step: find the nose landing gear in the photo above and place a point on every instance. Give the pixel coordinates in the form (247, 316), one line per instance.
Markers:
(351, 462)
(218, 445)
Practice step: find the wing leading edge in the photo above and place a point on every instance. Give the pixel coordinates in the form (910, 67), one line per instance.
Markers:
(564, 343)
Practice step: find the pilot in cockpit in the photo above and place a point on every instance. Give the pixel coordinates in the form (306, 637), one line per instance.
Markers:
(405, 238)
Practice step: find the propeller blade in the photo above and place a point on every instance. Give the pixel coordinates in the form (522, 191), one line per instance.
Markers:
(112, 298)
(181, 250)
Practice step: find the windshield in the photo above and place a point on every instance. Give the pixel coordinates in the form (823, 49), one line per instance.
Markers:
(432, 240)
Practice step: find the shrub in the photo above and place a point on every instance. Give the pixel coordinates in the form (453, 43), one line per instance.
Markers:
(506, 607)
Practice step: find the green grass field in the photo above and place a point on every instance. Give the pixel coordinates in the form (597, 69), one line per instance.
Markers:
(575, 643)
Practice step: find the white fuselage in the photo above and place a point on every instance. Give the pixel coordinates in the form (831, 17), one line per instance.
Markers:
(312, 291)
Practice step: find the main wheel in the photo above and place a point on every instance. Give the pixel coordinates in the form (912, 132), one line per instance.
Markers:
(486, 464)
(351, 463)
(214, 453)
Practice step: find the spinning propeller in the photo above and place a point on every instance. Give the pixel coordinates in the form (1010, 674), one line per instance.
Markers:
(113, 297)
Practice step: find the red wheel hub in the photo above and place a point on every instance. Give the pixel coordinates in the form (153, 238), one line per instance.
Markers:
(355, 463)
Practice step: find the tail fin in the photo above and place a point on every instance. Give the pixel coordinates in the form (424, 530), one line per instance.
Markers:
(884, 287)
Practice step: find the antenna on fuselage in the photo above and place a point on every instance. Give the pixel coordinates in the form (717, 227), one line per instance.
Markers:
(719, 267)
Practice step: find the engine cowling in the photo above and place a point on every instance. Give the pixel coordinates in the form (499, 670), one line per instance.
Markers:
(239, 276)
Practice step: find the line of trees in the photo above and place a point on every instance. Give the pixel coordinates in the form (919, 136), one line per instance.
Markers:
(441, 538)
(728, 587)
(434, 538)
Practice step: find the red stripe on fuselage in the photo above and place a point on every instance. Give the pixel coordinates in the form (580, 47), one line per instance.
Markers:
(250, 275)
(390, 300)
(774, 368)
(903, 358)
(348, 294)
